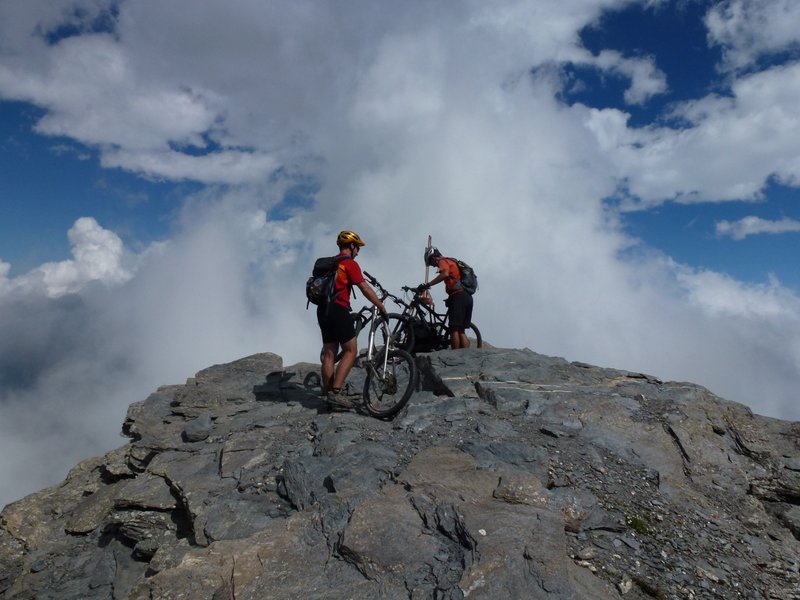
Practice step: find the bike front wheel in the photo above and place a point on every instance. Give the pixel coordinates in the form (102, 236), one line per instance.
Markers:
(390, 383)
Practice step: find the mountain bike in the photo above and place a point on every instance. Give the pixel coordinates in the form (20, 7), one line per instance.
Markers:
(398, 323)
(391, 372)
(426, 330)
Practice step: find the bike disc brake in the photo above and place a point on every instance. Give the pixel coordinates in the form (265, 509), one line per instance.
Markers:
(390, 384)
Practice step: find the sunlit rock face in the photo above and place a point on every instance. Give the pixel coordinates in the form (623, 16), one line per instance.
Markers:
(508, 475)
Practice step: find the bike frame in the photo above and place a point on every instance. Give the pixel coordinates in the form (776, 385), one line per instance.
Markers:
(365, 310)
(371, 339)
(438, 323)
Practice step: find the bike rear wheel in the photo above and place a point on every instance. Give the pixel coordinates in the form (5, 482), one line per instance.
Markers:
(475, 334)
(401, 331)
(398, 326)
(472, 332)
(388, 387)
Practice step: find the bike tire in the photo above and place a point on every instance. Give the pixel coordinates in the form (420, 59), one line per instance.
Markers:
(386, 393)
(312, 381)
(476, 334)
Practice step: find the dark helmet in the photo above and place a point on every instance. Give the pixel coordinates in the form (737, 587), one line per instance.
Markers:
(432, 255)
(349, 237)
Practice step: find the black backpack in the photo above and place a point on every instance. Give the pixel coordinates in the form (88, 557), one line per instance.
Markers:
(319, 287)
(469, 281)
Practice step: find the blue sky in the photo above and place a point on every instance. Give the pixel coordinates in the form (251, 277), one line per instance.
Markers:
(50, 182)
(675, 35)
(623, 175)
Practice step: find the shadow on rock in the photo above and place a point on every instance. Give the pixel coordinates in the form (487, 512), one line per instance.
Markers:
(287, 386)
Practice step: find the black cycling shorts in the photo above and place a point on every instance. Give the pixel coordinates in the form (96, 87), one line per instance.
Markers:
(335, 323)
(460, 308)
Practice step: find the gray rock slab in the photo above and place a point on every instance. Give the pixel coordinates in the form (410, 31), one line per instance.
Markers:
(510, 456)
(508, 474)
(265, 563)
(145, 492)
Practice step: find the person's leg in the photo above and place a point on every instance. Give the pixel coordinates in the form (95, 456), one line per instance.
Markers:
(341, 328)
(458, 322)
(328, 361)
(455, 339)
(327, 356)
(466, 320)
(346, 362)
(458, 339)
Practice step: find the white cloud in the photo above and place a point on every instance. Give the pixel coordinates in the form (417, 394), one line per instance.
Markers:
(413, 118)
(751, 225)
(98, 256)
(750, 29)
(727, 150)
(5, 269)
(720, 295)
(96, 97)
(24, 23)
(404, 82)
(646, 79)
(231, 166)
(229, 72)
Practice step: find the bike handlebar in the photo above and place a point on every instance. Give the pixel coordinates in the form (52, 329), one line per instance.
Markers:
(416, 289)
(383, 292)
(376, 284)
(417, 295)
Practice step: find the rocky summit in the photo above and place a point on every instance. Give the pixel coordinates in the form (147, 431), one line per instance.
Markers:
(509, 474)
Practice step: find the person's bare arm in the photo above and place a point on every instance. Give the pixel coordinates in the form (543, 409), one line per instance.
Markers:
(444, 273)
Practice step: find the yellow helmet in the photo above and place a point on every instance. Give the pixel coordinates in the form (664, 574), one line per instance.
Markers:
(348, 237)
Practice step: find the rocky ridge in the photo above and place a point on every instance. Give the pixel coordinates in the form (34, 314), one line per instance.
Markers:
(509, 474)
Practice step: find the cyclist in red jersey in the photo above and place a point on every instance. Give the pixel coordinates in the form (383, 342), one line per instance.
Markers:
(459, 302)
(335, 322)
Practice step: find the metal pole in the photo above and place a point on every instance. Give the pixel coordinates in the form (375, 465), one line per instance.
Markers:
(427, 294)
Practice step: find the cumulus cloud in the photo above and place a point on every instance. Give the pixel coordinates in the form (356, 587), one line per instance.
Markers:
(228, 167)
(5, 269)
(751, 225)
(750, 29)
(717, 294)
(695, 163)
(98, 256)
(413, 119)
(646, 79)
